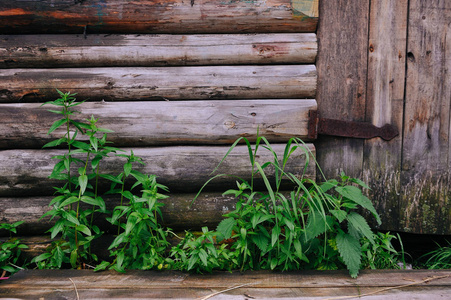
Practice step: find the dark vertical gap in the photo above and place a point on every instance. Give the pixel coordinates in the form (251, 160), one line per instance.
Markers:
(366, 83)
(404, 108)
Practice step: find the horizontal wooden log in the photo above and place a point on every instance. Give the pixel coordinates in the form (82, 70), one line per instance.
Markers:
(171, 83)
(184, 169)
(178, 213)
(157, 16)
(25, 125)
(43, 51)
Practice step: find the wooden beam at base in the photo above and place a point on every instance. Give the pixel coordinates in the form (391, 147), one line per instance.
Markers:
(182, 168)
(157, 16)
(169, 83)
(44, 51)
(377, 284)
(163, 122)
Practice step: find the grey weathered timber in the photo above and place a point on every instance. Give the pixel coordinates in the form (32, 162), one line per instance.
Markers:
(25, 125)
(179, 212)
(378, 284)
(157, 16)
(226, 82)
(43, 51)
(384, 105)
(342, 68)
(181, 168)
(425, 179)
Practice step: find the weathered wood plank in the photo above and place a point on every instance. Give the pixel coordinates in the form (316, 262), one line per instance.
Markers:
(163, 122)
(154, 16)
(259, 284)
(342, 68)
(177, 211)
(43, 51)
(426, 194)
(226, 82)
(183, 168)
(385, 97)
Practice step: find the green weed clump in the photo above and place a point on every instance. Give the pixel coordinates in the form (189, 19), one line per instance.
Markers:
(315, 226)
(10, 250)
(439, 258)
(140, 239)
(312, 226)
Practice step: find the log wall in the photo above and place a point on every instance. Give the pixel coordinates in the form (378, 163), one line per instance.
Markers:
(177, 81)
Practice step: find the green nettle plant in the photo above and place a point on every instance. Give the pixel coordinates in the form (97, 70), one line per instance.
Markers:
(200, 254)
(75, 225)
(141, 241)
(10, 250)
(315, 226)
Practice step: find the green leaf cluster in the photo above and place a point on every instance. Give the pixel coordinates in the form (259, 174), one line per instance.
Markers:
(10, 250)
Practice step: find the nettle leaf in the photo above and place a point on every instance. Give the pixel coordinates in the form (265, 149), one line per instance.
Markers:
(73, 258)
(360, 224)
(69, 217)
(57, 228)
(259, 218)
(84, 229)
(83, 182)
(225, 227)
(349, 249)
(102, 266)
(55, 143)
(68, 201)
(316, 225)
(339, 214)
(261, 241)
(127, 168)
(56, 125)
(354, 194)
(81, 145)
(94, 142)
(111, 178)
(275, 235)
(57, 169)
(203, 257)
(299, 253)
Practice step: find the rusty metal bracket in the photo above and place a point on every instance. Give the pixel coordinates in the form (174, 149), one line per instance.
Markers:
(351, 129)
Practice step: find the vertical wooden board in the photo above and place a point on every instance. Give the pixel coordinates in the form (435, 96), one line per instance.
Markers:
(426, 170)
(342, 66)
(385, 96)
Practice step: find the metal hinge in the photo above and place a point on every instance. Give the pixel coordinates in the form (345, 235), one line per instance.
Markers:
(351, 129)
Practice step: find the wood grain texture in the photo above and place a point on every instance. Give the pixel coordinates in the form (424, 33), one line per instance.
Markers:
(259, 284)
(385, 97)
(342, 68)
(181, 168)
(25, 125)
(156, 16)
(426, 194)
(207, 210)
(226, 82)
(44, 51)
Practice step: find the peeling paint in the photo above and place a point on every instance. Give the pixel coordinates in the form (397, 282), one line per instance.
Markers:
(305, 8)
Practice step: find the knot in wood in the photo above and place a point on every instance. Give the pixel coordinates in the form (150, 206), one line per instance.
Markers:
(230, 124)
